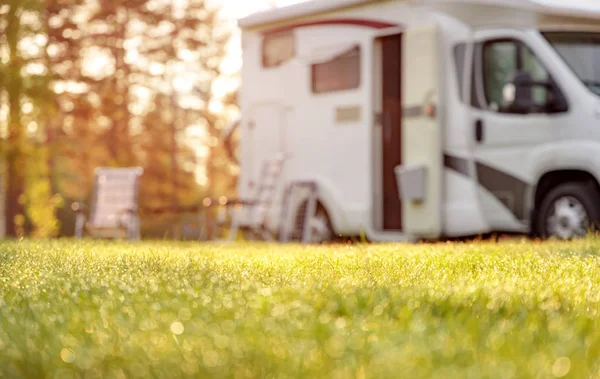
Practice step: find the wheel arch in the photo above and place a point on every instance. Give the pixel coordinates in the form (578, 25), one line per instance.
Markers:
(328, 201)
(549, 180)
(300, 209)
(558, 162)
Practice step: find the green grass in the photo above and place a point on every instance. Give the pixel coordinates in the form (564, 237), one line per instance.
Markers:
(114, 310)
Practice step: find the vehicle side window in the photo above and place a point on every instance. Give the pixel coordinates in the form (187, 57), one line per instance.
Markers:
(459, 65)
(278, 48)
(533, 65)
(499, 62)
(502, 58)
(338, 74)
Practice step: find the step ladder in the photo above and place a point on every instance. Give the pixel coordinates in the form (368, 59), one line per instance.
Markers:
(256, 217)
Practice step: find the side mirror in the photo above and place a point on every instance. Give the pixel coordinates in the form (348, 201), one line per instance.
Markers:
(517, 93)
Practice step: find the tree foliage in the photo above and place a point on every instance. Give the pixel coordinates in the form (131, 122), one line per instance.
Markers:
(108, 83)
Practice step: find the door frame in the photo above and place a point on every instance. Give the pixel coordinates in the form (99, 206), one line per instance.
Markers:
(377, 178)
(415, 215)
(391, 123)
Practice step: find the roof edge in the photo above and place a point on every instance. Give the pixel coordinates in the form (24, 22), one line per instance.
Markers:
(304, 9)
(535, 6)
(312, 7)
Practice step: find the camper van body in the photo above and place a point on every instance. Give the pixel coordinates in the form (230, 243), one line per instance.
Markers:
(391, 108)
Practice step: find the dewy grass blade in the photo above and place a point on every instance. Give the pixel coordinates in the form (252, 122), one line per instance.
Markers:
(161, 309)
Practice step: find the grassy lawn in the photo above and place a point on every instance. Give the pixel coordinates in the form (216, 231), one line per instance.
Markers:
(113, 310)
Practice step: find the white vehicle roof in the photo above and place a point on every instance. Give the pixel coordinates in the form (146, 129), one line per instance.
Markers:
(575, 8)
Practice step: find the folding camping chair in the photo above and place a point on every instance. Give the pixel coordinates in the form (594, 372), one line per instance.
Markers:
(253, 216)
(114, 209)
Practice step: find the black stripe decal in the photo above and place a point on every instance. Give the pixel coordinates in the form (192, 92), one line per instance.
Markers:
(509, 190)
(506, 188)
(457, 164)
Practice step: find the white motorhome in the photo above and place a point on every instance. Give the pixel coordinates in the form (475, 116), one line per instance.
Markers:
(428, 118)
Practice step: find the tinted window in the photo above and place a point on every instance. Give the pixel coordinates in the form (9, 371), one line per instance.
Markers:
(500, 60)
(533, 65)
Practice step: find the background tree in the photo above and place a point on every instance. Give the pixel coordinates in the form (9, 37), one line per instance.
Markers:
(29, 201)
(110, 83)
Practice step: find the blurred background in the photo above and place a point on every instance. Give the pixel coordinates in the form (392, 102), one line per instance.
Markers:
(92, 83)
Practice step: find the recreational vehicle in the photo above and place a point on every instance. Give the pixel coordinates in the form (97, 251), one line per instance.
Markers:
(426, 119)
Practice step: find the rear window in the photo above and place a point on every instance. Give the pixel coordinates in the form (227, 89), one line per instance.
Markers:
(278, 48)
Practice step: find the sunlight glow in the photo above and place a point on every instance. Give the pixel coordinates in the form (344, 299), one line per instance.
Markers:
(182, 83)
(215, 107)
(27, 108)
(97, 63)
(35, 69)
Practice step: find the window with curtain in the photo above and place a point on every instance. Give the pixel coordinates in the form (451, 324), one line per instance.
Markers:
(338, 74)
(278, 48)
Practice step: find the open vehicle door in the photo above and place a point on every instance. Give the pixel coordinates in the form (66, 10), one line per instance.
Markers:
(420, 177)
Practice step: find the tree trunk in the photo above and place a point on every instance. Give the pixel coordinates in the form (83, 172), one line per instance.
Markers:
(16, 137)
(173, 160)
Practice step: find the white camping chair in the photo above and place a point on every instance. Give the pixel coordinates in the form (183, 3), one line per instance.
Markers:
(114, 209)
(253, 215)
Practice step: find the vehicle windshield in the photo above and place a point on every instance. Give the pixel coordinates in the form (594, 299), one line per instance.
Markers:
(581, 51)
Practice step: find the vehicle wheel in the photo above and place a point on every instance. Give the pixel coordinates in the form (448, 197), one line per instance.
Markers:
(320, 224)
(569, 211)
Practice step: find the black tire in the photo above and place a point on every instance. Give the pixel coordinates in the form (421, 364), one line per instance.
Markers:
(574, 195)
